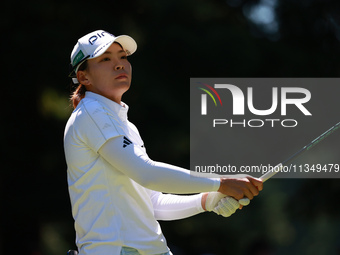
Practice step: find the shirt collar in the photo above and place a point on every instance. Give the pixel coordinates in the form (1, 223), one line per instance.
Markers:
(120, 109)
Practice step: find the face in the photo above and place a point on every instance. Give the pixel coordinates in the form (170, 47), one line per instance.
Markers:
(108, 75)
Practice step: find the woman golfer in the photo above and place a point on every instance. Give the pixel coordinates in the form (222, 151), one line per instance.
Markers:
(115, 188)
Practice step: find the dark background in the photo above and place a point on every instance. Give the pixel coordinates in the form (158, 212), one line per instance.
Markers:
(176, 40)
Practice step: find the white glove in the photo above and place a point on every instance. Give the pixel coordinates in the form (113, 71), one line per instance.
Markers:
(227, 206)
(212, 200)
(223, 205)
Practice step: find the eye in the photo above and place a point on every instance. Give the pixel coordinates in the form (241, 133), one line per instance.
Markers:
(105, 59)
(124, 57)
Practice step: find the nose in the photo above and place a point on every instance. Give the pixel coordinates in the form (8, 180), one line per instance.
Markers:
(119, 66)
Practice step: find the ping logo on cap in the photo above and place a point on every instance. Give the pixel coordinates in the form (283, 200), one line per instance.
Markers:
(94, 38)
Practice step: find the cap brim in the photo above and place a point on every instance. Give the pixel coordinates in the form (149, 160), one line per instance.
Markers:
(128, 43)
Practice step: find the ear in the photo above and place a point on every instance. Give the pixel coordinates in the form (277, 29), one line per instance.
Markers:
(82, 78)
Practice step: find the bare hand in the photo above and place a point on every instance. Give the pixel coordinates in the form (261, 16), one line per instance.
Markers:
(239, 187)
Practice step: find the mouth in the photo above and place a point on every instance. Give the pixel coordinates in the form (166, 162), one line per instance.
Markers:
(122, 76)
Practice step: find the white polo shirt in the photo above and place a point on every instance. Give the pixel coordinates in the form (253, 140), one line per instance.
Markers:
(111, 209)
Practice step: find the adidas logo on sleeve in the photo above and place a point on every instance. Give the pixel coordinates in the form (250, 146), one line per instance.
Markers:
(126, 142)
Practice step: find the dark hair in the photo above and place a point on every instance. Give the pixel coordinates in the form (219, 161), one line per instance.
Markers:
(79, 93)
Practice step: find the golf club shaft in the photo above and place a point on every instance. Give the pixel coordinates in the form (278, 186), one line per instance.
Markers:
(316, 141)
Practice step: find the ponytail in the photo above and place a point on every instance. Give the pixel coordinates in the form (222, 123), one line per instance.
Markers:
(79, 93)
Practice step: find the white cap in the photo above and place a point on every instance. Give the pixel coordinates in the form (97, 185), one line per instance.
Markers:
(95, 44)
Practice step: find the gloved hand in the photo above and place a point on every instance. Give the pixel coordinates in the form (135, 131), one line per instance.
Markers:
(222, 204)
(227, 206)
(212, 200)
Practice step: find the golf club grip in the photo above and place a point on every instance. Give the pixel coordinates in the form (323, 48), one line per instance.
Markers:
(271, 172)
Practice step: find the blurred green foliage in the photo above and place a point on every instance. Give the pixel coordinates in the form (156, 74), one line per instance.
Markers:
(176, 40)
